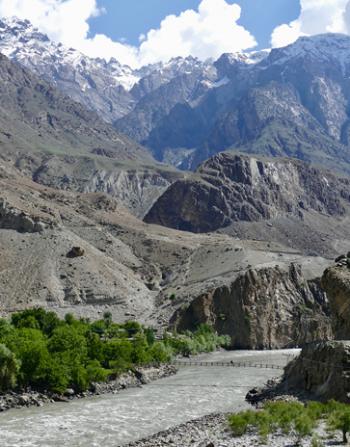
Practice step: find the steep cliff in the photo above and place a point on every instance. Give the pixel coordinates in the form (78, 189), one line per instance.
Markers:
(336, 282)
(265, 308)
(321, 371)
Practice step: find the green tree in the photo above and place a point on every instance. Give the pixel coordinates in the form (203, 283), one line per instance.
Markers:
(69, 340)
(140, 354)
(5, 328)
(45, 321)
(56, 376)
(9, 368)
(69, 319)
(108, 319)
(30, 346)
(132, 328)
(118, 355)
(96, 373)
(159, 353)
(150, 336)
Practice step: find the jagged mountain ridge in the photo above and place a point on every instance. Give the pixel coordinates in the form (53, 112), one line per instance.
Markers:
(293, 103)
(98, 85)
(109, 88)
(145, 95)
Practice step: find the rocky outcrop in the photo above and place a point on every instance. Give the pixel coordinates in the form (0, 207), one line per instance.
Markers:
(15, 219)
(263, 309)
(336, 282)
(229, 190)
(321, 371)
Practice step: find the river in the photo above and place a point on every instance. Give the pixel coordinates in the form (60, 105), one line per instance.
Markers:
(112, 420)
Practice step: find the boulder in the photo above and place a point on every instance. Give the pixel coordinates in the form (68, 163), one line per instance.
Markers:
(76, 252)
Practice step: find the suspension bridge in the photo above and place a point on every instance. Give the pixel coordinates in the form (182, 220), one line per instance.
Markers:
(189, 363)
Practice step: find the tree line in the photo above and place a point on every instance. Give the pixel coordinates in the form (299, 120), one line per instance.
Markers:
(38, 350)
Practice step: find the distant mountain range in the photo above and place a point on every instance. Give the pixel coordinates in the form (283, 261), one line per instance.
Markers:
(292, 101)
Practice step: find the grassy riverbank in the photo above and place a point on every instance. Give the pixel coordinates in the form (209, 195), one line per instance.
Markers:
(40, 351)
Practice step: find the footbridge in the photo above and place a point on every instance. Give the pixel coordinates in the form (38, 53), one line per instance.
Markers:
(242, 364)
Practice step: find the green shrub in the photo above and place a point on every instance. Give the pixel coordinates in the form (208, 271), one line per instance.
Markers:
(339, 419)
(239, 424)
(293, 418)
(96, 373)
(316, 442)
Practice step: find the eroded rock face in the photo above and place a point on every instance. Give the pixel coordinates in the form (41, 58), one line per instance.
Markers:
(233, 188)
(336, 282)
(321, 370)
(268, 308)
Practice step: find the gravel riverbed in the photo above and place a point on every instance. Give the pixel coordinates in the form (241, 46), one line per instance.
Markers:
(213, 431)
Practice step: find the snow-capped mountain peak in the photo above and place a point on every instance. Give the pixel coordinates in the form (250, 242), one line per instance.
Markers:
(21, 41)
(322, 48)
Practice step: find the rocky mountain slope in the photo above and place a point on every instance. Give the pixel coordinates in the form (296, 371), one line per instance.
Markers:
(85, 253)
(272, 199)
(321, 372)
(34, 116)
(69, 180)
(60, 143)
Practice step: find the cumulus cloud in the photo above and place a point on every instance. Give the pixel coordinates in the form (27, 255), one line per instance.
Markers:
(316, 17)
(207, 32)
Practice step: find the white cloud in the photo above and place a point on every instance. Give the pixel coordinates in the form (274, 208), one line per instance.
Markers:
(207, 32)
(316, 17)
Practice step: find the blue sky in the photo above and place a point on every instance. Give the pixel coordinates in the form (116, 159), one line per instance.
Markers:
(127, 19)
